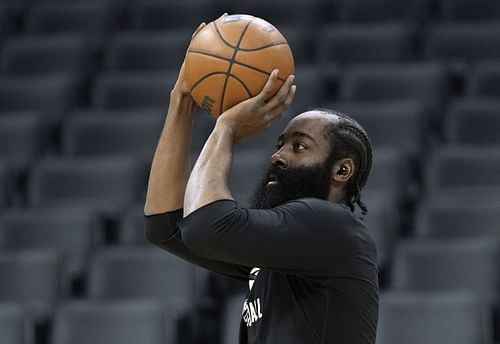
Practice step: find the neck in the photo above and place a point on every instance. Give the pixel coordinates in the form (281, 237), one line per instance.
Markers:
(337, 195)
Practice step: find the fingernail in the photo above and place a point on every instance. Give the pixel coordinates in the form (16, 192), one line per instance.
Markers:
(276, 72)
(292, 78)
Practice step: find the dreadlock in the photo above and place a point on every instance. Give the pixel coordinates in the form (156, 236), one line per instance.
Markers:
(349, 139)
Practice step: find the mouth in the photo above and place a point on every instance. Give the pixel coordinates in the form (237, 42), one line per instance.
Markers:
(272, 180)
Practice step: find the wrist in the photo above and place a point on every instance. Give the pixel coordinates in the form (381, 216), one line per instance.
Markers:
(181, 104)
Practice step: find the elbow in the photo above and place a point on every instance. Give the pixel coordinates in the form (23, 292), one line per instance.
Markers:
(152, 236)
(197, 241)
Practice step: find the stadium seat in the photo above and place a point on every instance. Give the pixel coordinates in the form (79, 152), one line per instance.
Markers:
(463, 169)
(6, 183)
(231, 318)
(473, 122)
(396, 124)
(147, 51)
(447, 318)
(35, 280)
(60, 92)
(382, 10)
(463, 43)
(23, 137)
(484, 80)
(94, 19)
(301, 43)
(164, 15)
(85, 134)
(125, 322)
(15, 325)
(6, 21)
(143, 273)
(448, 217)
(133, 90)
(427, 82)
(50, 228)
(38, 55)
(426, 265)
(469, 10)
(348, 44)
(131, 227)
(107, 184)
(282, 12)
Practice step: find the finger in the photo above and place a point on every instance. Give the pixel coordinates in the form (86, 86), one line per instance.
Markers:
(201, 26)
(282, 94)
(281, 108)
(267, 91)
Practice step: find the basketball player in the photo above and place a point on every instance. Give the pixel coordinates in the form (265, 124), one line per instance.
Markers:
(311, 261)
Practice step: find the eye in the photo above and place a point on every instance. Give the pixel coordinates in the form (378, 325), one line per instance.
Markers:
(297, 146)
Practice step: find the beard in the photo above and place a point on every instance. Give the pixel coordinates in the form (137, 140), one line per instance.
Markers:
(292, 183)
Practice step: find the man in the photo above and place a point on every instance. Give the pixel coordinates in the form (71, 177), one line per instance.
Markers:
(312, 262)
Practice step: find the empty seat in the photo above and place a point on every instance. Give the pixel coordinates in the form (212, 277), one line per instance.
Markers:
(60, 92)
(484, 81)
(50, 228)
(463, 42)
(143, 273)
(463, 169)
(282, 12)
(231, 317)
(143, 51)
(95, 135)
(301, 43)
(30, 55)
(473, 122)
(15, 325)
(6, 20)
(123, 322)
(22, 137)
(447, 318)
(365, 43)
(382, 10)
(133, 90)
(440, 217)
(445, 265)
(397, 124)
(161, 15)
(92, 18)
(7, 184)
(107, 184)
(469, 10)
(131, 231)
(425, 82)
(32, 278)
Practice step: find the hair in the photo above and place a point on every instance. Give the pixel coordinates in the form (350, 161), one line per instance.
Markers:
(348, 139)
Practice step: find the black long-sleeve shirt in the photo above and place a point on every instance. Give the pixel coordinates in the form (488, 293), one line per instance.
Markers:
(312, 264)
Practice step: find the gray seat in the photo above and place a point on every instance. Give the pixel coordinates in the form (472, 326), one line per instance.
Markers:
(6, 183)
(231, 318)
(463, 43)
(282, 12)
(15, 325)
(143, 273)
(449, 217)
(349, 44)
(449, 170)
(133, 90)
(107, 184)
(381, 11)
(85, 134)
(125, 322)
(448, 265)
(35, 280)
(147, 51)
(473, 122)
(38, 55)
(131, 227)
(49, 229)
(447, 318)
(484, 80)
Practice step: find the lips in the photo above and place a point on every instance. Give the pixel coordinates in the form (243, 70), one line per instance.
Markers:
(272, 180)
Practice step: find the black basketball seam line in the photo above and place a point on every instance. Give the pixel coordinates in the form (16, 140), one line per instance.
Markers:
(242, 83)
(232, 62)
(222, 37)
(264, 46)
(206, 53)
(203, 78)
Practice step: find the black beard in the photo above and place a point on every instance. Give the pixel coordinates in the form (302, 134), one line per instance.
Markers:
(292, 183)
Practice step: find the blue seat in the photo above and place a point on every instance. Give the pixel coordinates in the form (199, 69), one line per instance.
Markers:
(15, 325)
(484, 80)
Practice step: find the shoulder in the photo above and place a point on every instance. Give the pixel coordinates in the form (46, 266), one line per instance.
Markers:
(323, 210)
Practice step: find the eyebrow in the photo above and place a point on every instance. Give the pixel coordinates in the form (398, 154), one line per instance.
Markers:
(299, 134)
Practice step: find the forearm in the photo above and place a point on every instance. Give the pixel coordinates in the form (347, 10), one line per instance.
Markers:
(170, 166)
(209, 180)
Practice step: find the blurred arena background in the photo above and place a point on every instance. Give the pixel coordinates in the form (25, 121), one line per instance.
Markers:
(84, 87)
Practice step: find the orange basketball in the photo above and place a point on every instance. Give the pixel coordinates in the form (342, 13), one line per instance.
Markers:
(231, 58)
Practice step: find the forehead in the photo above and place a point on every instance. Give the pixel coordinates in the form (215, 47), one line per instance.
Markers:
(312, 123)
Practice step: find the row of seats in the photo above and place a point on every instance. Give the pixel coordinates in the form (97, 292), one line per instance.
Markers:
(102, 16)
(346, 44)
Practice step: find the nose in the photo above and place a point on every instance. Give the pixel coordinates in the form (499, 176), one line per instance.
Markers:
(278, 160)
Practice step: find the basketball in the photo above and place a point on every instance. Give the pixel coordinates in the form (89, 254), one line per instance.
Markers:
(231, 58)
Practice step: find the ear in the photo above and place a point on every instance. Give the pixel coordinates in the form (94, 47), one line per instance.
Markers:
(343, 170)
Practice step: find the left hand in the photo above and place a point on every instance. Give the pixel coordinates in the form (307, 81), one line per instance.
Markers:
(258, 113)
